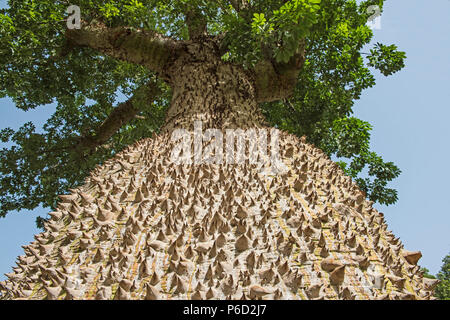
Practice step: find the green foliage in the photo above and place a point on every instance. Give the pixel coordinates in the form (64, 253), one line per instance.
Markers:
(333, 77)
(38, 67)
(426, 273)
(350, 138)
(40, 222)
(442, 291)
(386, 59)
(276, 27)
(40, 166)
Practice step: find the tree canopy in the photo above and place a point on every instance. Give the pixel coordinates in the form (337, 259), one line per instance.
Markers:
(442, 291)
(443, 288)
(105, 103)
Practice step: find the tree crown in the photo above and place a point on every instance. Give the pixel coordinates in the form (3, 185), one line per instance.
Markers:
(316, 43)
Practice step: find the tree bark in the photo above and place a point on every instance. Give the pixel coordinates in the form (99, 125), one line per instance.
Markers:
(196, 23)
(224, 95)
(198, 61)
(143, 47)
(277, 81)
(145, 227)
(207, 89)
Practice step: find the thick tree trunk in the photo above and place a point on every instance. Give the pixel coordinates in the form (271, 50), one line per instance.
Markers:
(145, 227)
(206, 89)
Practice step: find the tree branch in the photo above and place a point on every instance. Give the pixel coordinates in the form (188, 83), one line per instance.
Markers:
(239, 5)
(142, 47)
(196, 23)
(121, 115)
(276, 81)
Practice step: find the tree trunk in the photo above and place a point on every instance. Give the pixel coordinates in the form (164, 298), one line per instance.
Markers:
(220, 95)
(145, 227)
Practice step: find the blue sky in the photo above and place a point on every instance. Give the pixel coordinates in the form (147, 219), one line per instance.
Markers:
(409, 112)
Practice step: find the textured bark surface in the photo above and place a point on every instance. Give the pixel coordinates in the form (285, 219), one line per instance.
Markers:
(144, 227)
(143, 47)
(207, 89)
(277, 81)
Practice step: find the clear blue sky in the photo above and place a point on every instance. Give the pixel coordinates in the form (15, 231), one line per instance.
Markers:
(409, 112)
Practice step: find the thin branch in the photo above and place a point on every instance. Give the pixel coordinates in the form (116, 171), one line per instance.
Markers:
(288, 103)
(121, 115)
(239, 5)
(196, 23)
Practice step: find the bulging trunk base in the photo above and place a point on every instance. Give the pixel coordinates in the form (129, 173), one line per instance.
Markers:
(143, 227)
